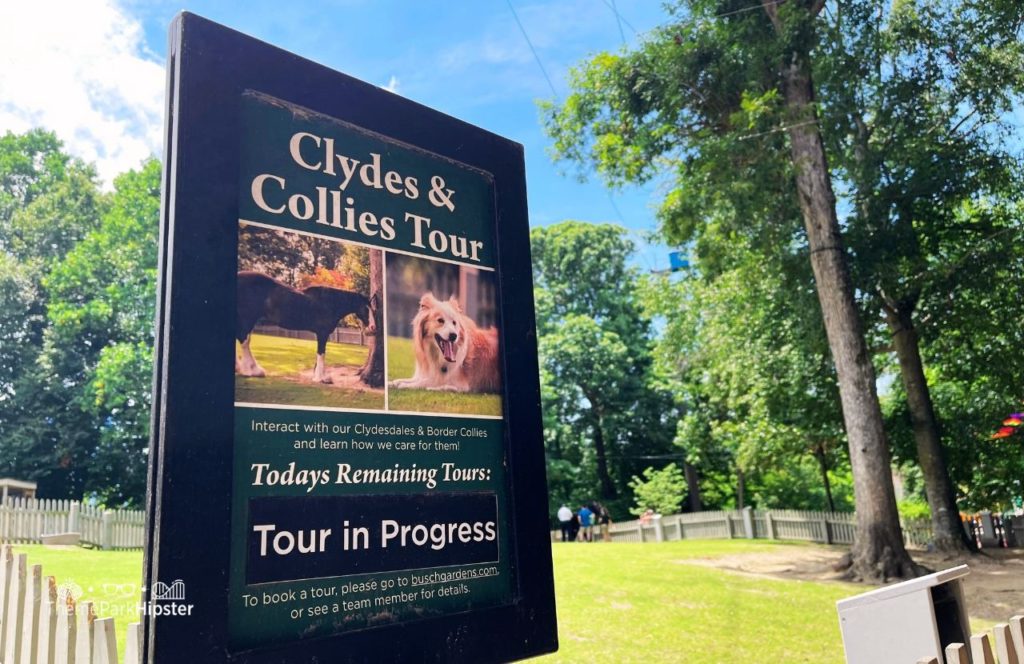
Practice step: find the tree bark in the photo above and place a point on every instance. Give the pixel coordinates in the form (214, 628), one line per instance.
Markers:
(819, 453)
(947, 529)
(693, 498)
(607, 486)
(878, 552)
(741, 489)
(372, 371)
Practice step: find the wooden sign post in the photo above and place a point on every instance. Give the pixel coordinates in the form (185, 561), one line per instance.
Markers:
(347, 461)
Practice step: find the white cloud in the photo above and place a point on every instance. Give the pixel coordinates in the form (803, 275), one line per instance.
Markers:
(81, 69)
(392, 85)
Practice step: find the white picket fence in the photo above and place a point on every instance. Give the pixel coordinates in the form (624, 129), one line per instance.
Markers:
(822, 527)
(1009, 647)
(41, 623)
(26, 520)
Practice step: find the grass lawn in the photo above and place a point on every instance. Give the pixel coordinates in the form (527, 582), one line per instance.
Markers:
(402, 364)
(284, 359)
(112, 580)
(616, 603)
(643, 603)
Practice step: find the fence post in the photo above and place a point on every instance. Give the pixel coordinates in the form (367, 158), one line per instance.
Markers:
(14, 619)
(106, 530)
(981, 650)
(84, 632)
(825, 534)
(769, 525)
(748, 522)
(64, 638)
(659, 529)
(1017, 631)
(30, 630)
(48, 622)
(956, 653)
(133, 644)
(6, 561)
(640, 529)
(104, 650)
(1005, 651)
(728, 524)
(73, 518)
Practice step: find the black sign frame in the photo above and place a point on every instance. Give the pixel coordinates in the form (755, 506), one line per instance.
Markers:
(189, 501)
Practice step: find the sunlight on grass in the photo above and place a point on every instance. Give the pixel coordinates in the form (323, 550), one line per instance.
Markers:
(112, 580)
(644, 603)
(284, 359)
(402, 364)
(618, 602)
(281, 356)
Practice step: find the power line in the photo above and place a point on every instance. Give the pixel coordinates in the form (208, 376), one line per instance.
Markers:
(532, 49)
(618, 21)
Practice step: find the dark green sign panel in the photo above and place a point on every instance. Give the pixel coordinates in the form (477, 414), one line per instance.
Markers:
(366, 483)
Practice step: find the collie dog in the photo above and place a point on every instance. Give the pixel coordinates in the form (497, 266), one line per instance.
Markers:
(452, 353)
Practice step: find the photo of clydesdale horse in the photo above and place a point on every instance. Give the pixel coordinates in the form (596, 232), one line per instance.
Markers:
(316, 309)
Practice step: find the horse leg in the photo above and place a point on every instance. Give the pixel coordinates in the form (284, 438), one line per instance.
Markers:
(320, 371)
(248, 366)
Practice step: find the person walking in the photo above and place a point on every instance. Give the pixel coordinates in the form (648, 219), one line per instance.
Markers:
(604, 522)
(586, 523)
(565, 519)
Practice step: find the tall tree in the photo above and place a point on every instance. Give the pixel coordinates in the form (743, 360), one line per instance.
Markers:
(372, 371)
(913, 99)
(747, 356)
(97, 354)
(695, 94)
(595, 345)
(48, 202)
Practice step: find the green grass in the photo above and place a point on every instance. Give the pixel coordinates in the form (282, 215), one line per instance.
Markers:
(284, 359)
(616, 602)
(112, 580)
(402, 364)
(644, 603)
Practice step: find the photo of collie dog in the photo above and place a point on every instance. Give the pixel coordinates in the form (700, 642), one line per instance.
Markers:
(452, 353)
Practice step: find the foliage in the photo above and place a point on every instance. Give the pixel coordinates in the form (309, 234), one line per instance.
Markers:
(659, 490)
(913, 101)
(604, 412)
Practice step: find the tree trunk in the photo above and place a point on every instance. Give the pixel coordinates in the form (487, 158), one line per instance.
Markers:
(372, 371)
(741, 489)
(878, 553)
(607, 486)
(692, 488)
(819, 453)
(946, 526)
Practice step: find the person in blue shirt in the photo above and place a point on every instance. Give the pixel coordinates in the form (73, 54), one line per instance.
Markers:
(587, 523)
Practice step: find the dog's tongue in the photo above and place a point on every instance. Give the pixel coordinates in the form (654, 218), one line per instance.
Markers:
(447, 349)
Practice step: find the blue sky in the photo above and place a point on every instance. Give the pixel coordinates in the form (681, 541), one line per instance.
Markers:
(93, 72)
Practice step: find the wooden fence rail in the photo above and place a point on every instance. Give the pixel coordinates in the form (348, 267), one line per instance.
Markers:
(822, 527)
(41, 623)
(26, 520)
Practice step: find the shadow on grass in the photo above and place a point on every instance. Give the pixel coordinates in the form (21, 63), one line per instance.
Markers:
(289, 363)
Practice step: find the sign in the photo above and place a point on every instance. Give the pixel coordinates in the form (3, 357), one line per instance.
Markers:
(347, 462)
(677, 260)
